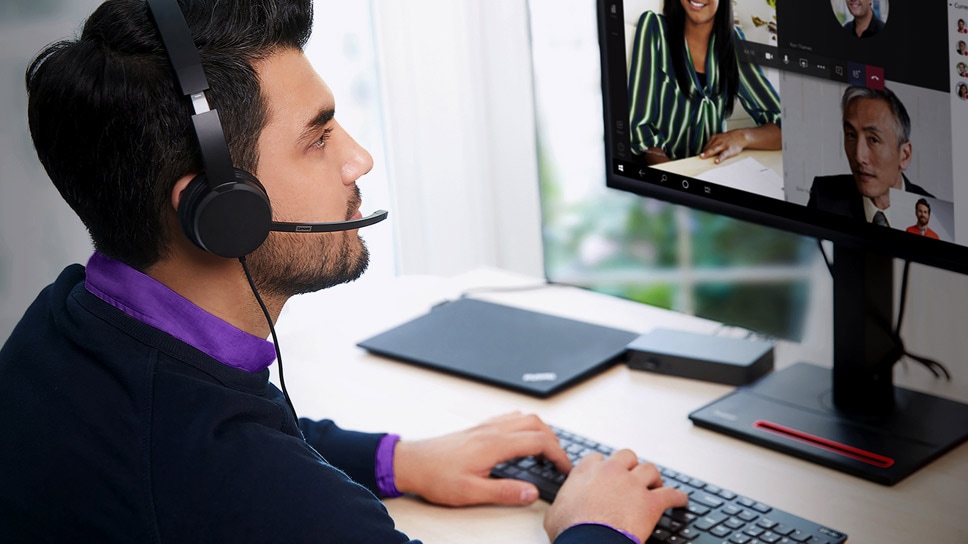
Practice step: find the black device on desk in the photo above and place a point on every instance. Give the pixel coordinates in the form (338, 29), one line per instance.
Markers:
(852, 417)
(713, 516)
(720, 359)
(525, 351)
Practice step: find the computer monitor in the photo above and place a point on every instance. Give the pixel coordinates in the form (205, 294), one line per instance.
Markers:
(836, 84)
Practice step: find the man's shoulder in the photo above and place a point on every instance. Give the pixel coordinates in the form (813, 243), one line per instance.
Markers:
(840, 184)
(876, 26)
(912, 187)
(837, 194)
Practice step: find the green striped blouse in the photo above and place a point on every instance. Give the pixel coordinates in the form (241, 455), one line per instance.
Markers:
(664, 117)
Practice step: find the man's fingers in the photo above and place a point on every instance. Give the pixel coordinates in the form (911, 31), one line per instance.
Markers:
(501, 491)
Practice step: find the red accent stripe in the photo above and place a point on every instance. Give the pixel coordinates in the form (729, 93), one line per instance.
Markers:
(823, 443)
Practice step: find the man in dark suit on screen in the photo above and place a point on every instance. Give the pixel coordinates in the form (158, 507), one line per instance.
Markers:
(877, 131)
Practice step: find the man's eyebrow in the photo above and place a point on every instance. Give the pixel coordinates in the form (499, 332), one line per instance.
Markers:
(866, 128)
(324, 116)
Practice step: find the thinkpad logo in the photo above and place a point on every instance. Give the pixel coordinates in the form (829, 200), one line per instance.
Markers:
(540, 377)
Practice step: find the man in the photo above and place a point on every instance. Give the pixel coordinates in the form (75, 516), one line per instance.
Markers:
(864, 23)
(135, 392)
(877, 132)
(922, 210)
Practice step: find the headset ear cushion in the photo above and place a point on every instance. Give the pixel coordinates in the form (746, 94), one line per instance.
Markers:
(190, 198)
(231, 220)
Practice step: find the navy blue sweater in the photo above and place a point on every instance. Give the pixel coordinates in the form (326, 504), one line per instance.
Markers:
(113, 431)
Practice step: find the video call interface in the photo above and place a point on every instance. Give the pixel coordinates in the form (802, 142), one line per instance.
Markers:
(799, 60)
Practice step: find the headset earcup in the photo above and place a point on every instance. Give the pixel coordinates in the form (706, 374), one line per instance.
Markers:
(231, 220)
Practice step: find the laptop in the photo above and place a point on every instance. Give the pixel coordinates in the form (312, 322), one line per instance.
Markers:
(521, 350)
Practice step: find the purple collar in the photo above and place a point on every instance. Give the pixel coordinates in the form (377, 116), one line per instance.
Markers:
(154, 304)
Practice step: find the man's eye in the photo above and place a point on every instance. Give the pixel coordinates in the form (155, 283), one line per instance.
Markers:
(321, 142)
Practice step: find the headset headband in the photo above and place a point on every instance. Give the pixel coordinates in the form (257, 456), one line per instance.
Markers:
(184, 57)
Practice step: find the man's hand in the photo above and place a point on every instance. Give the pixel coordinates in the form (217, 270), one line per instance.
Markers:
(455, 469)
(618, 491)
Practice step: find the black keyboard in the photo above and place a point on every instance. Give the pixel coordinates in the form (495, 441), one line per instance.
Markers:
(713, 516)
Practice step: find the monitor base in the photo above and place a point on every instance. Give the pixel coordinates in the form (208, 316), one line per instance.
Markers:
(791, 411)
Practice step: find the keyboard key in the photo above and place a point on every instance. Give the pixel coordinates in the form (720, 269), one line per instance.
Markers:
(689, 533)
(697, 509)
(746, 515)
(708, 522)
(668, 524)
(754, 531)
(683, 516)
(706, 499)
(728, 495)
(766, 523)
(782, 529)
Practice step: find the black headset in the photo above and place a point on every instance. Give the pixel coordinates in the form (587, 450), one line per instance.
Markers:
(224, 210)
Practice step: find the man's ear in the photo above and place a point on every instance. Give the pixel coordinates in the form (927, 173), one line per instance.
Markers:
(907, 149)
(178, 190)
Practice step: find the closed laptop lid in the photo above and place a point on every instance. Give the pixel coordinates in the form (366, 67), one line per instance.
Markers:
(522, 350)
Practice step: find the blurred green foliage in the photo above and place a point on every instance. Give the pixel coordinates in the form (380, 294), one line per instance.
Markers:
(607, 239)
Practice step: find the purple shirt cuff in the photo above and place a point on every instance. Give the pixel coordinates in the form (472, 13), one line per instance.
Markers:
(627, 534)
(385, 480)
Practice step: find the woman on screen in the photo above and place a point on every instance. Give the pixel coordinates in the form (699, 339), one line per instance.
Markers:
(683, 81)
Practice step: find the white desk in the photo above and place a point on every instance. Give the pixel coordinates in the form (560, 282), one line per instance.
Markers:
(328, 376)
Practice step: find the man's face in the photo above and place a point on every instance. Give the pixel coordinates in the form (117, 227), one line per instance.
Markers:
(859, 8)
(309, 166)
(870, 142)
(923, 214)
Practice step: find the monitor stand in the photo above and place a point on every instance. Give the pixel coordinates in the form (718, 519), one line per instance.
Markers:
(851, 418)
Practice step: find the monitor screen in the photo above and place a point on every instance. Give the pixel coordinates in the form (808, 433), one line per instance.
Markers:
(839, 122)
(845, 120)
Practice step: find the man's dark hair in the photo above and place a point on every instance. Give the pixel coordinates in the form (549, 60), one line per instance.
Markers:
(923, 202)
(113, 130)
(725, 49)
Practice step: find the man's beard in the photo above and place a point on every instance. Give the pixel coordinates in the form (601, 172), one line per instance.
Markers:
(290, 264)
